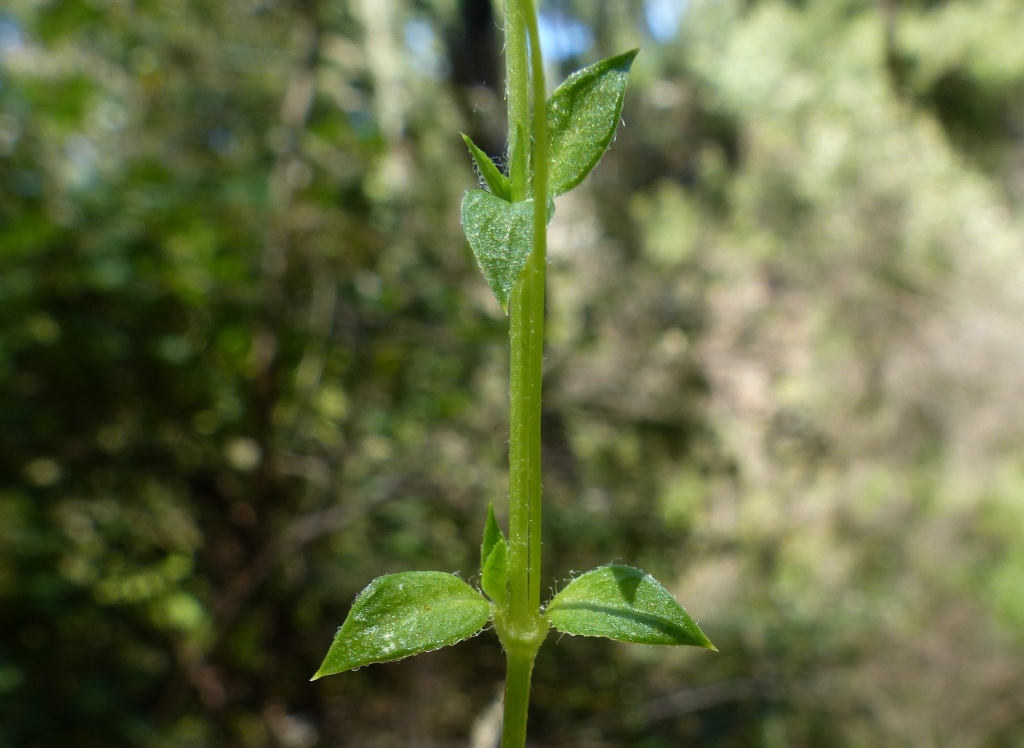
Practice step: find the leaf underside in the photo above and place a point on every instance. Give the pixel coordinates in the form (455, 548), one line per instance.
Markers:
(404, 614)
(624, 604)
(501, 236)
(583, 114)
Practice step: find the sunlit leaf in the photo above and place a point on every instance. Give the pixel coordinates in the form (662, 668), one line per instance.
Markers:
(496, 181)
(501, 235)
(583, 113)
(399, 615)
(624, 604)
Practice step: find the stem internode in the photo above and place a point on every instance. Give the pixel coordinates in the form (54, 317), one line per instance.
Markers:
(521, 627)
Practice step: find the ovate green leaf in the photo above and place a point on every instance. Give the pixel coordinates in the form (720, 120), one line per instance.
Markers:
(583, 113)
(624, 604)
(501, 235)
(496, 181)
(399, 615)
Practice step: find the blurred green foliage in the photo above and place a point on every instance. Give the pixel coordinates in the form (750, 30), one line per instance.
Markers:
(247, 364)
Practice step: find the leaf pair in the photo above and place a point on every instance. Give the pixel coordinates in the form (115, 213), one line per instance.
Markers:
(399, 615)
(582, 116)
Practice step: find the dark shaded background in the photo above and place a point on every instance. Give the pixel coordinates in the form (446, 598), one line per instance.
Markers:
(247, 364)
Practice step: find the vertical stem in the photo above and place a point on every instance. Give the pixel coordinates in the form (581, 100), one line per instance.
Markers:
(537, 267)
(521, 333)
(521, 628)
(526, 338)
(517, 697)
(518, 93)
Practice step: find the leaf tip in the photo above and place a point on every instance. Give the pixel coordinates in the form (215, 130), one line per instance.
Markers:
(704, 642)
(623, 62)
(323, 671)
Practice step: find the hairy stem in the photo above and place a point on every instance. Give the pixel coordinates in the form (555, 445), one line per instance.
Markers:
(523, 628)
(536, 268)
(518, 93)
(517, 697)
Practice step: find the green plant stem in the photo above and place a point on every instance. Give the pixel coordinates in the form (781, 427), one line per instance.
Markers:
(537, 266)
(517, 93)
(526, 335)
(522, 628)
(517, 696)
(526, 345)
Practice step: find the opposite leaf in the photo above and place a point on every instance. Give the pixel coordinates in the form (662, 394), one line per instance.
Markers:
(496, 181)
(399, 615)
(501, 235)
(494, 578)
(583, 113)
(494, 560)
(492, 536)
(624, 604)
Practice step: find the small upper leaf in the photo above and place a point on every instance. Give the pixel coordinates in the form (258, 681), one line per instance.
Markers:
(494, 578)
(501, 235)
(399, 615)
(624, 604)
(583, 113)
(494, 560)
(496, 181)
(492, 536)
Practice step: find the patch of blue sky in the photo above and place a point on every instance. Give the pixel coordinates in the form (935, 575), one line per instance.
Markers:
(11, 40)
(563, 37)
(665, 17)
(422, 44)
(11, 37)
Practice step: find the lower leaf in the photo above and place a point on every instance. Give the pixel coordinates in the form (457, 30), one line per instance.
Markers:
(404, 614)
(624, 604)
